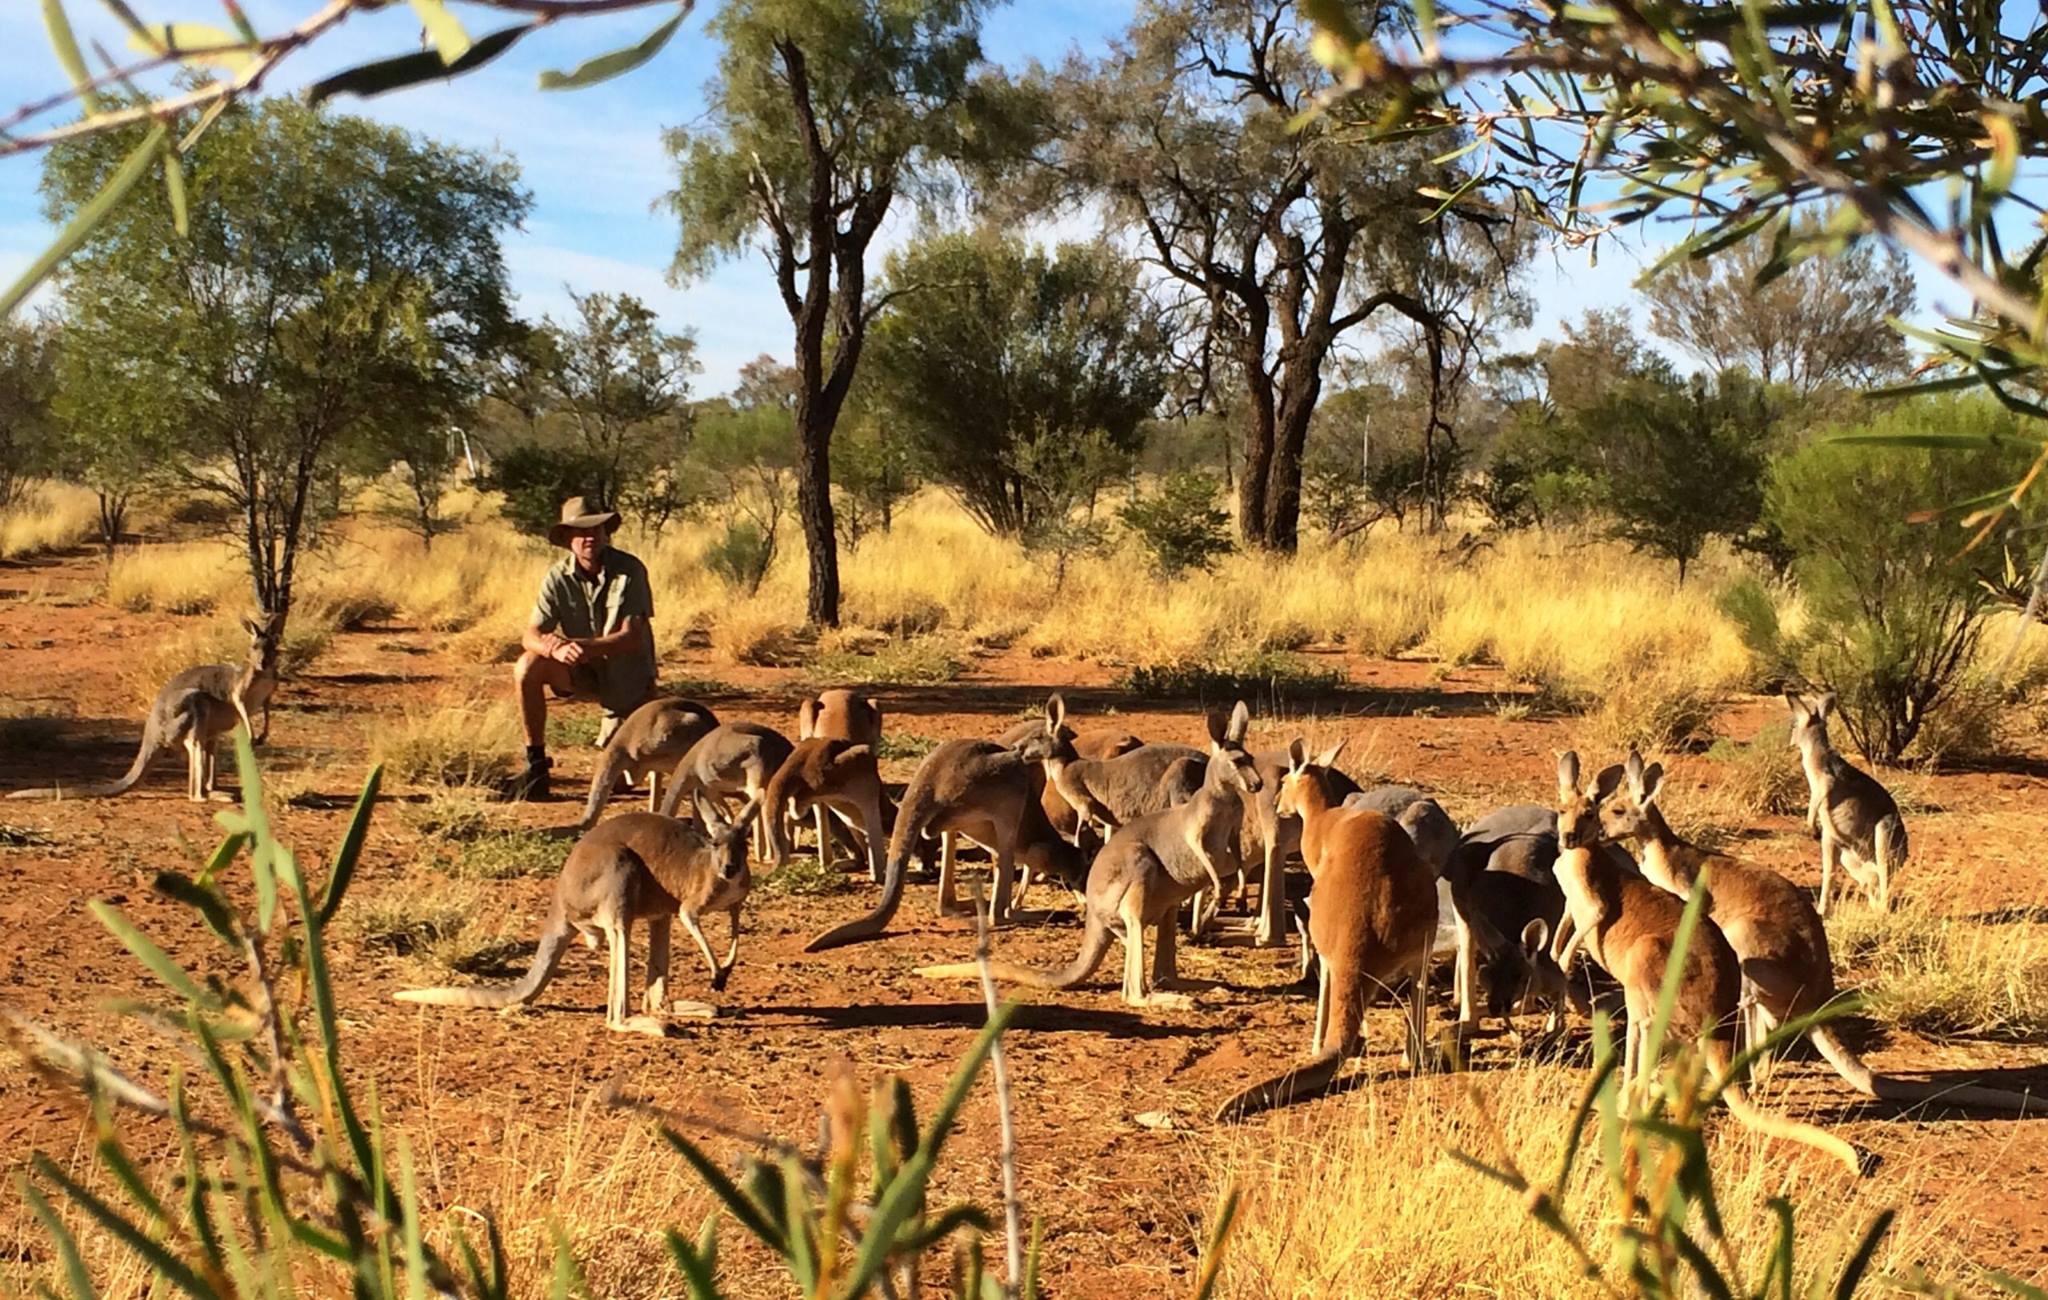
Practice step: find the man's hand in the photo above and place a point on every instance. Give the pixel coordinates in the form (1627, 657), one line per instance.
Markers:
(566, 651)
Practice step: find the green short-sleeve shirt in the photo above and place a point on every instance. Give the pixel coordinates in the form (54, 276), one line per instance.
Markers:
(578, 606)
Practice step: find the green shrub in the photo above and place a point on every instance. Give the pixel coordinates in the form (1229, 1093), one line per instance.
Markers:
(1895, 608)
(1268, 675)
(536, 479)
(741, 555)
(1181, 525)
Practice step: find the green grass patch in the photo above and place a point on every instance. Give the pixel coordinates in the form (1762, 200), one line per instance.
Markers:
(805, 877)
(915, 661)
(906, 746)
(507, 855)
(575, 729)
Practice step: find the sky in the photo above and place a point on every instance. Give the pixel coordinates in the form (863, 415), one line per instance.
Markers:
(595, 165)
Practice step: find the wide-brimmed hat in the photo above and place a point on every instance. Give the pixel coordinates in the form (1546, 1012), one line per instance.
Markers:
(578, 512)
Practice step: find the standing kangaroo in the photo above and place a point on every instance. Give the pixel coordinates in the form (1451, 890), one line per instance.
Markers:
(839, 714)
(1630, 927)
(638, 866)
(1372, 917)
(1856, 818)
(1778, 939)
(1110, 792)
(649, 743)
(979, 788)
(1151, 865)
(1100, 743)
(196, 708)
(828, 773)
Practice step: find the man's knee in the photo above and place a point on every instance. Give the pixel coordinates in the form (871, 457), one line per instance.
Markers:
(531, 667)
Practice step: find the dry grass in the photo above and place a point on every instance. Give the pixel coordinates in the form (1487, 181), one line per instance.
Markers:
(179, 578)
(469, 746)
(1761, 776)
(1358, 1196)
(1946, 976)
(48, 517)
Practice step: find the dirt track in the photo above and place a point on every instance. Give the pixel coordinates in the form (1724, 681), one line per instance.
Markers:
(501, 1103)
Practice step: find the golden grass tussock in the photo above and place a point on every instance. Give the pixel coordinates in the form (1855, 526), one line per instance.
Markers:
(1359, 1196)
(469, 744)
(1947, 976)
(48, 516)
(180, 578)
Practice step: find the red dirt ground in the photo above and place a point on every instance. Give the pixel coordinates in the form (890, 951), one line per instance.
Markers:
(1123, 1203)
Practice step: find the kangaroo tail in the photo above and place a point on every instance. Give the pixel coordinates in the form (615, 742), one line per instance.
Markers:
(554, 940)
(1317, 1075)
(601, 785)
(1858, 1161)
(1095, 939)
(919, 806)
(145, 754)
(1963, 1096)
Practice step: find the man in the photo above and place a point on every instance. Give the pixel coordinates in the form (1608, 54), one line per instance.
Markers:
(589, 637)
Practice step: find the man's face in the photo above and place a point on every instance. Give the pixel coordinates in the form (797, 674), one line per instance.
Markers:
(586, 544)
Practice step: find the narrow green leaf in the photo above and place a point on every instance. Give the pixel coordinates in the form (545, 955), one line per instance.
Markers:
(1674, 970)
(65, 45)
(1219, 1239)
(409, 1215)
(169, 1266)
(222, 49)
(606, 66)
(385, 75)
(1780, 1268)
(736, 1202)
(88, 217)
(67, 1245)
(798, 1219)
(156, 959)
(174, 190)
(695, 1269)
(1866, 1250)
(211, 907)
(344, 868)
(443, 29)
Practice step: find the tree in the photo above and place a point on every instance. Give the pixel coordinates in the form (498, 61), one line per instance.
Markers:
(1823, 323)
(1017, 367)
(615, 385)
(112, 435)
(743, 460)
(340, 269)
(1281, 239)
(28, 365)
(823, 112)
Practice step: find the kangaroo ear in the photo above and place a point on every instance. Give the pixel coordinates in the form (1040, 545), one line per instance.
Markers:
(1609, 780)
(738, 824)
(1055, 713)
(707, 813)
(1826, 705)
(1568, 772)
(1797, 705)
(806, 718)
(1328, 758)
(1536, 936)
(1240, 724)
(1647, 786)
(1297, 755)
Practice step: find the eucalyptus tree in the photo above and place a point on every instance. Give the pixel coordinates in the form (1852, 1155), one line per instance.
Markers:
(822, 115)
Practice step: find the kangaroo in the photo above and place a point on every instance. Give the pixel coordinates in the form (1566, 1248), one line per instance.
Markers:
(1435, 834)
(828, 772)
(1776, 934)
(732, 759)
(638, 866)
(1110, 792)
(1856, 818)
(1101, 743)
(837, 714)
(1272, 838)
(650, 742)
(1372, 917)
(195, 709)
(1152, 864)
(1629, 926)
(980, 788)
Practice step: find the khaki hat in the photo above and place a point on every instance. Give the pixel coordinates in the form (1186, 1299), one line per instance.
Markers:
(577, 512)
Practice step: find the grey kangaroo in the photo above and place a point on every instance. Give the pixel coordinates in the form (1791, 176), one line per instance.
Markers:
(195, 709)
(1856, 818)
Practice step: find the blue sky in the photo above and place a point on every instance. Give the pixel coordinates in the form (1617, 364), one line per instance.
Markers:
(594, 161)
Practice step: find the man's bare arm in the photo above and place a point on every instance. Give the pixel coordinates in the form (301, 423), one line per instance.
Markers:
(549, 645)
(623, 641)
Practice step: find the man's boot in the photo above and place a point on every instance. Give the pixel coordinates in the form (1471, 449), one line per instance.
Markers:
(531, 786)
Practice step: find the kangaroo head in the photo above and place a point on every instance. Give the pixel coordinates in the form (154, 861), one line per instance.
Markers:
(263, 633)
(1294, 783)
(728, 838)
(1056, 740)
(1810, 718)
(1229, 764)
(1579, 809)
(1629, 811)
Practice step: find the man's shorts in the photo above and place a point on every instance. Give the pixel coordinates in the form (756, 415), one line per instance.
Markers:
(584, 683)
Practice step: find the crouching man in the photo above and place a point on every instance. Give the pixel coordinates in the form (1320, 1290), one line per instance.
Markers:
(589, 638)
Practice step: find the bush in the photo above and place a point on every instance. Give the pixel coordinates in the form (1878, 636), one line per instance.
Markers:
(741, 555)
(1268, 675)
(536, 479)
(1181, 525)
(1894, 605)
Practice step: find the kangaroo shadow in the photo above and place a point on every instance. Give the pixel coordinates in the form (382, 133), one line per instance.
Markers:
(2023, 914)
(1037, 1017)
(2029, 1079)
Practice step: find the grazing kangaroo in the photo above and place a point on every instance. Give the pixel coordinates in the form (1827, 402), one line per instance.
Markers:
(732, 759)
(649, 743)
(1110, 792)
(1152, 864)
(1856, 818)
(195, 709)
(1629, 926)
(979, 788)
(638, 866)
(1372, 916)
(828, 773)
(1777, 936)
(838, 714)
(1101, 743)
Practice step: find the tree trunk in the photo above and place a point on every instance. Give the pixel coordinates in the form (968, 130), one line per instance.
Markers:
(814, 509)
(1254, 514)
(1301, 385)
